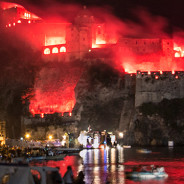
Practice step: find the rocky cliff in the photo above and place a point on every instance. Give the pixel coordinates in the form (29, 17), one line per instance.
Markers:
(107, 101)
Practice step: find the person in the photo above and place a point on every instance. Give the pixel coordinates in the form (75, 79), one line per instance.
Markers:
(80, 178)
(68, 176)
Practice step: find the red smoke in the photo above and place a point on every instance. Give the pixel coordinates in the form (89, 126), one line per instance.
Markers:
(54, 89)
(141, 45)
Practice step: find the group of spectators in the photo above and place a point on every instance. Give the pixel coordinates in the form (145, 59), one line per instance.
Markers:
(69, 177)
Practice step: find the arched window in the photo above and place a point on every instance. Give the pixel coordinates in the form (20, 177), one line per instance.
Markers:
(55, 50)
(177, 54)
(63, 49)
(47, 51)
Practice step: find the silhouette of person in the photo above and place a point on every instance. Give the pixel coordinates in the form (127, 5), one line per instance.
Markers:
(68, 176)
(80, 178)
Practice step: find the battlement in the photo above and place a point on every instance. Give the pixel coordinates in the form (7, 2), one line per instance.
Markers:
(160, 74)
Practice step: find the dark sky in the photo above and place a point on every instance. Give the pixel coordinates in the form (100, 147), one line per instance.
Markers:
(173, 10)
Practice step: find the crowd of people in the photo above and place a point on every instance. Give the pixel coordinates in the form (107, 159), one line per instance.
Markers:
(69, 177)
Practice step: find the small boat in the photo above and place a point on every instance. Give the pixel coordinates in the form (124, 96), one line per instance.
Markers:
(155, 173)
(40, 158)
(144, 151)
(146, 175)
(126, 146)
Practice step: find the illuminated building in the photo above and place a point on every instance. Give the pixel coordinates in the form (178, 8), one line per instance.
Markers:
(86, 38)
(2, 132)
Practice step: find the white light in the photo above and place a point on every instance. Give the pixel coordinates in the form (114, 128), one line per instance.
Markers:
(121, 134)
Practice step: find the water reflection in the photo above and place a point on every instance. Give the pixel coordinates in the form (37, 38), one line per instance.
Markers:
(100, 165)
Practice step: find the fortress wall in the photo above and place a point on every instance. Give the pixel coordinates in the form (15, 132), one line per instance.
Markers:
(156, 86)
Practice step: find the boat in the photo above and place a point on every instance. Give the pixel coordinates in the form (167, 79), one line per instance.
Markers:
(155, 173)
(146, 175)
(25, 174)
(126, 146)
(60, 150)
(44, 158)
(144, 151)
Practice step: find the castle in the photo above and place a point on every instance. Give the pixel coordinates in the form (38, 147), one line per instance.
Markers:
(86, 38)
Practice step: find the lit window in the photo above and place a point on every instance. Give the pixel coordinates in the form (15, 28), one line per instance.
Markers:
(63, 49)
(55, 50)
(177, 54)
(47, 51)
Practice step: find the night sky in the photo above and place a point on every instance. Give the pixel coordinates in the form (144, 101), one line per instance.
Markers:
(124, 9)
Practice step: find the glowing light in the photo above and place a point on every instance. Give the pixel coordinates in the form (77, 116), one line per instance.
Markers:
(9, 25)
(42, 115)
(102, 146)
(177, 54)
(64, 137)
(50, 137)
(19, 21)
(161, 72)
(156, 77)
(14, 24)
(177, 48)
(29, 22)
(176, 76)
(149, 72)
(70, 114)
(173, 72)
(62, 49)
(121, 134)
(55, 50)
(27, 136)
(47, 51)
(51, 40)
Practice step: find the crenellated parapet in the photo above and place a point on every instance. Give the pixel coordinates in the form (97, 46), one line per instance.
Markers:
(160, 74)
(155, 86)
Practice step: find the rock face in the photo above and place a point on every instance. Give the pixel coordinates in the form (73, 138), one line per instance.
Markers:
(116, 102)
(103, 92)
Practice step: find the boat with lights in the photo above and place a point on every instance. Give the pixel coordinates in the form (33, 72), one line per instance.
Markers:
(142, 173)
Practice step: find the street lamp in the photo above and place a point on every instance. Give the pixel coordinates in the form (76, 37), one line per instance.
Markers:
(121, 134)
(50, 137)
(27, 136)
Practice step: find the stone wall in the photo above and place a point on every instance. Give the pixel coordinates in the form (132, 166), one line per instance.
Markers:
(155, 86)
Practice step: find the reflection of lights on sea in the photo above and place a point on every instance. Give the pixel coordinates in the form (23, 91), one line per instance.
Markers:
(119, 146)
(83, 153)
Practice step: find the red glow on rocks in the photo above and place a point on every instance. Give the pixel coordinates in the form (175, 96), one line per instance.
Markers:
(54, 90)
(51, 102)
